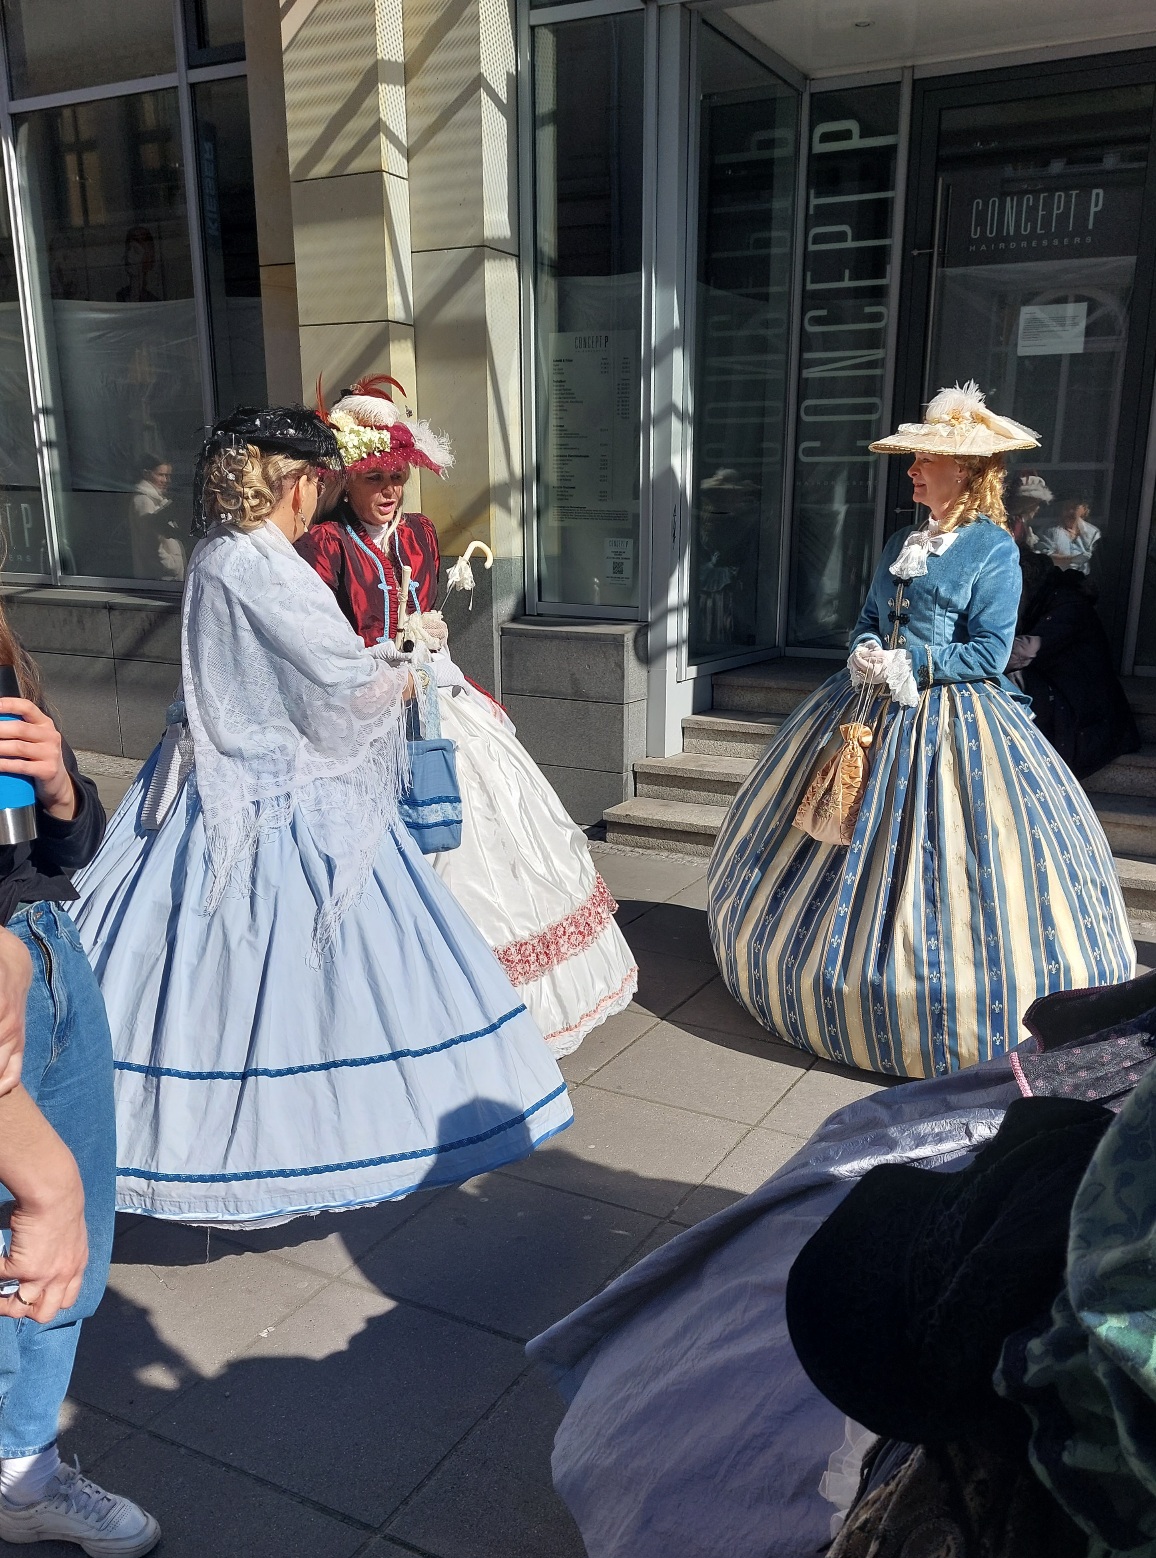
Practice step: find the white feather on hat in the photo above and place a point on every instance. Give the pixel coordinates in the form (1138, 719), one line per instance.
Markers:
(960, 423)
(370, 410)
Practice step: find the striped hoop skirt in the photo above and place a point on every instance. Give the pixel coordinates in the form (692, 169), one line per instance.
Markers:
(978, 878)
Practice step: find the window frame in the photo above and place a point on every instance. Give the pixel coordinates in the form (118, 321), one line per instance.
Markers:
(183, 79)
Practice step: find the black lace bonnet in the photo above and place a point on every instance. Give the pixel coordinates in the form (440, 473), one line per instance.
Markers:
(289, 430)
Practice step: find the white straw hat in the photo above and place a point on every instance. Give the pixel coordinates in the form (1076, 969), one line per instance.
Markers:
(960, 423)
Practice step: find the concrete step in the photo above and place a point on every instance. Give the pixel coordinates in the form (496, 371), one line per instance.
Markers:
(711, 779)
(1141, 693)
(1132, 774)
(703, 779)
(773, 688)
(1138, 882)
(777, 686)
(1129, 822)
(723, 734)
(670, 827)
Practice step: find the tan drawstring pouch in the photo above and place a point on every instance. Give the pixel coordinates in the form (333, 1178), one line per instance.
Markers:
(830, 805)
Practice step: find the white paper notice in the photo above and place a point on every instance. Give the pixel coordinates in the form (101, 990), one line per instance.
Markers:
(618, 567)
(1052, 329)
(594, 447)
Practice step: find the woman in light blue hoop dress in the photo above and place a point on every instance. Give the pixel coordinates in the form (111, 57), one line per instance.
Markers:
(303, 1018)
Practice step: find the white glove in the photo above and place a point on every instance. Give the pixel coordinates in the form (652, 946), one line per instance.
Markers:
(445, 672)
(865, 663)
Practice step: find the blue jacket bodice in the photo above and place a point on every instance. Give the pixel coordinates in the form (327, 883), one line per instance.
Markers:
(957, 620)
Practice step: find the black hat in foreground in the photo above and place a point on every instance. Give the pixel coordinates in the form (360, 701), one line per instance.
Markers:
(899, 1305)
(289, 430)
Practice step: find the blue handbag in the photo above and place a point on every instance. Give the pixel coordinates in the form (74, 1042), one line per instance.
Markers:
(431, 806)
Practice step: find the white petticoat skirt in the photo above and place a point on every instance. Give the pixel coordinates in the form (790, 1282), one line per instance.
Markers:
(524, 876)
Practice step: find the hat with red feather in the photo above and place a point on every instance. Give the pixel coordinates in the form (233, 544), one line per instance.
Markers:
(372, 431)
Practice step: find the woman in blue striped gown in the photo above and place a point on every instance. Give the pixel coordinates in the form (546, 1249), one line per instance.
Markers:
(977, 876)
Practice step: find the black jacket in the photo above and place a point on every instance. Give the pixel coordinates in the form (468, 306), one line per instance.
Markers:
(39, 871)
(1076, 695)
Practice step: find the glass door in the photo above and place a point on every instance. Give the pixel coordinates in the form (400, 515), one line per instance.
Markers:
(748, 134)
(1039, 204)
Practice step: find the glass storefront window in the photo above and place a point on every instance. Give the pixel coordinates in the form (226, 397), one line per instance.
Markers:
(842, 359)
(229, 226)
(588, 208)
(60, 45)
(1039, 225)
(112, 289)
(215, 30)
(23, 533)
(748, 135)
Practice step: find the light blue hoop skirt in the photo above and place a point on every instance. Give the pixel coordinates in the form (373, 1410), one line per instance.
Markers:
(978, 878)
(253, 1086)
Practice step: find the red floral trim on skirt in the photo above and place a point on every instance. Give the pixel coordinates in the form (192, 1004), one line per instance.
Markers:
(530, 959)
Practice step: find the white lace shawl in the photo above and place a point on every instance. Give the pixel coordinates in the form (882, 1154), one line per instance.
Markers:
(290, 715)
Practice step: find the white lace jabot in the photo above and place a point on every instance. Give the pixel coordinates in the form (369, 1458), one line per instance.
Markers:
(912, 560)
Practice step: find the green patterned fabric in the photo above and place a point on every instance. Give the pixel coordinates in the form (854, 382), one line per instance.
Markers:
(1088, 1379)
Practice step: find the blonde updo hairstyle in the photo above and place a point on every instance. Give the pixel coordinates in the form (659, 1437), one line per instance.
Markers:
(243, 486)
(982, 494)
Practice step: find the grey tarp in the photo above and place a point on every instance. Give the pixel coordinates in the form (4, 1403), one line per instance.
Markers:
(692, 1431)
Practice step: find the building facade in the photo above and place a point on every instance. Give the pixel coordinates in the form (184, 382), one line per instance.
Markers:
(662, 271)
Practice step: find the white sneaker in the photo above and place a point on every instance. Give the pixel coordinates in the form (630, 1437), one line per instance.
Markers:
(75, 1509)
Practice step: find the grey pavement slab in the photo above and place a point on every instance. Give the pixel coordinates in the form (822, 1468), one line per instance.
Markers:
(506, 1253)
(818, 1093)
(760, 1154)
(205, 1508)
(672, 928)
(351, 1402)
(712, 1006)
(722, 1074)
(492, 1498)
(635, 877)
(608, 1040)
(693, 896)
(666, 981)
(331, 1242)
(630, 1152)
(170, 1318)
(86, 1433)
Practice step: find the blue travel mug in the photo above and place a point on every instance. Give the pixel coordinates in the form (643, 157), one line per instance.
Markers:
(17, 797)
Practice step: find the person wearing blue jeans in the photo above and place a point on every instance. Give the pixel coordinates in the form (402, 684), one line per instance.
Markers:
(57, 1142)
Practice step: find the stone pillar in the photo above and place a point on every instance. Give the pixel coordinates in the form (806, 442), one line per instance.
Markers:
(272, 198)
(349, 194)
(460, 78)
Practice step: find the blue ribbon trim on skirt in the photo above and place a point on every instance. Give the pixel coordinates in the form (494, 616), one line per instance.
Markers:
(317, 1065)
(341, 1168)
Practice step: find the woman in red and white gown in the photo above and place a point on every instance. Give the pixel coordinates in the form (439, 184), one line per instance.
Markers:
(523, 872)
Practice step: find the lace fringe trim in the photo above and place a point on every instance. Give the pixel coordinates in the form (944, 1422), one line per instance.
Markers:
(530, 959)
(564, 1041)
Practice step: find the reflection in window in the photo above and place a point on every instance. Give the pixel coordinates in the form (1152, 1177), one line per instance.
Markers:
(843, 358)
(60, 45)
(588, 174)
(1040, 204)
(112, 289)
(215, 30)
(229, 227)
(749, 138)
(23, 534)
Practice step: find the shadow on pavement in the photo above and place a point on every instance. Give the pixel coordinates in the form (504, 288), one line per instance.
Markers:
(295, 1390)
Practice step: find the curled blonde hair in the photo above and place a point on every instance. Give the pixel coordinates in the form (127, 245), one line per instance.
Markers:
(982, 495)
(243, 486)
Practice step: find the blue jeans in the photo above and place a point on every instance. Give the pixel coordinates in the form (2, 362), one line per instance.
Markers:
(68, 1071)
